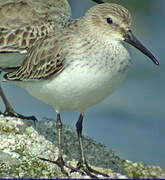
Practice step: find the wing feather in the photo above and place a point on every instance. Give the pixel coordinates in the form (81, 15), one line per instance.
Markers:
(43, 61)
(23, 22)
(47, 57)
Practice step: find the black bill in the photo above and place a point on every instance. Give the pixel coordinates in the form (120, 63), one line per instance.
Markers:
(131, 39)
(99, 1)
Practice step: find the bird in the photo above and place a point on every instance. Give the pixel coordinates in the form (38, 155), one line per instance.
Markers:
(79, 66)
(22, 23)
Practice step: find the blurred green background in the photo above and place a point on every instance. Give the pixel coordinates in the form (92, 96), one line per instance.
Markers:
(132, 120)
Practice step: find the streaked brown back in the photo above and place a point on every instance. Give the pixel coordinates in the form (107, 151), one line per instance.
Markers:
(22, 22)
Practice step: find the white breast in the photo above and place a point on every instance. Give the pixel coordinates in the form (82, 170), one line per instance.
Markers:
(84, 82)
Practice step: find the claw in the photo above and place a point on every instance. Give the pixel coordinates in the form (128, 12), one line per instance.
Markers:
(85, 169)
(14, 114)
(59, 162)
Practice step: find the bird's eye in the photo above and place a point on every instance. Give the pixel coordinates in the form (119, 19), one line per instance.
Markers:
(109, 20)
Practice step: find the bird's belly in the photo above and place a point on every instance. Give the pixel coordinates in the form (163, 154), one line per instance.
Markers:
(78, 88)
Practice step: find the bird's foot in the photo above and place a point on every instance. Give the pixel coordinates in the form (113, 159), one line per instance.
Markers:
(85, 169)
(12, 113)
(60, 163)
(82, 168)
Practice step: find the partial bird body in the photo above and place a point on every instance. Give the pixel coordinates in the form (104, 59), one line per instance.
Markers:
(75, 68)
(22, 23)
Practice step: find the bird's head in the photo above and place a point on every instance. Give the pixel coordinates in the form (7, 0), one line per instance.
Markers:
(113, 22)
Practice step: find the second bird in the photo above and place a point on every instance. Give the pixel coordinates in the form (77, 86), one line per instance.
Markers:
(22, 23)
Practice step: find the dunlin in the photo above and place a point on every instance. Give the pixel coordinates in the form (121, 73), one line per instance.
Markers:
(80, 66)
(22, 23)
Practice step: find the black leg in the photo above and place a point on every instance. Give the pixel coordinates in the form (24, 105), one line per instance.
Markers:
(60, 162)
(10, 111)
(79, 133)
(6, 102)
(59, 134)
(82, 164)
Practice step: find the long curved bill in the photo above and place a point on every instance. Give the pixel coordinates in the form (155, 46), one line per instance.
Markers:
(131, 39)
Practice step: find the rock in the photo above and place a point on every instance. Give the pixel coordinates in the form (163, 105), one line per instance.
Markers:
(22, 143)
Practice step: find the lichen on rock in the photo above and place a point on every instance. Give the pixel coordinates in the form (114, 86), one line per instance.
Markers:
(22, 143)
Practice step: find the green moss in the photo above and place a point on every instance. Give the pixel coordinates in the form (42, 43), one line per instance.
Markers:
(18, 159)
(7, 129)
(140, 171)
(21, 150)
(30, 168)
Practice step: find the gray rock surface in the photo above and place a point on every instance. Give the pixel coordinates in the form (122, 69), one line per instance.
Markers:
(23, 142)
